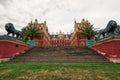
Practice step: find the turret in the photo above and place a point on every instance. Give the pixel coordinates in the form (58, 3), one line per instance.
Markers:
(45, 22)
(75, 21)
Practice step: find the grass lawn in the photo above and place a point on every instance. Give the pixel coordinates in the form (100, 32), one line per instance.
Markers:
(59, 71)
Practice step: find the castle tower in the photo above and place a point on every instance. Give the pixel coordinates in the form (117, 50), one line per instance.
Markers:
(45, 22)
(60, 36)
(79, 26)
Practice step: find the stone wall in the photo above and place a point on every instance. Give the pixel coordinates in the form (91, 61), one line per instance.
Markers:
(109, 47)
(11, 47)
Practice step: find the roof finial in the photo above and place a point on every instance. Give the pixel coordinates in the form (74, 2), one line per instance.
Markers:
(83, 19)
(75, 21)
(45, 22)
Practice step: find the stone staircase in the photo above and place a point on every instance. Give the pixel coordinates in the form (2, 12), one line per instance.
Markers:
(60, 54)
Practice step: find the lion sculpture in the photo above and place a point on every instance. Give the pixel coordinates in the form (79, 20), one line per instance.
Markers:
(109, 30)
(11, 30)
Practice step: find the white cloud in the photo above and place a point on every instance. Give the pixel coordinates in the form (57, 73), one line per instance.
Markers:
(60, 14)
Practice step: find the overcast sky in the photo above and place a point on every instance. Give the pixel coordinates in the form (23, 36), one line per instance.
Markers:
(59, 14)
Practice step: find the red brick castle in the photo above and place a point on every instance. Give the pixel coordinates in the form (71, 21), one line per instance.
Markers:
(59, 39)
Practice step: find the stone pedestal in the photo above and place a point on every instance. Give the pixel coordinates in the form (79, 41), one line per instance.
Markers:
(10, 47)
(109, 47)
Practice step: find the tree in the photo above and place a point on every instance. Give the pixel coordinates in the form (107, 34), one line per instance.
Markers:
(30, 32)
(87, 32)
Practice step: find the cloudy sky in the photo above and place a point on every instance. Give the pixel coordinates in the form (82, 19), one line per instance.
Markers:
(59, 14)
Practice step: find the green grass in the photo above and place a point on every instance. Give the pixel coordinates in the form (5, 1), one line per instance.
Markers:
(59, 71)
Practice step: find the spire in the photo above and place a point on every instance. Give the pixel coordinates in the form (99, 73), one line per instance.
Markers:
(45, 22)
(75, 21)
(60, 32)
(36, 21)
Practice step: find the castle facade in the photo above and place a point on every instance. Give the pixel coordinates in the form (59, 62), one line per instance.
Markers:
(60, 39)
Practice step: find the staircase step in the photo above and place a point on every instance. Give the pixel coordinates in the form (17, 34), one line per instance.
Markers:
(60, 54)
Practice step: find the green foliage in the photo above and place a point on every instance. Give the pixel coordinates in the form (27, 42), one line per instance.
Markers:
(30, 32)
(87, 32)
(59, 71)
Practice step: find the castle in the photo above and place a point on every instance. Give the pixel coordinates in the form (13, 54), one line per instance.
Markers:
(60, 39)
